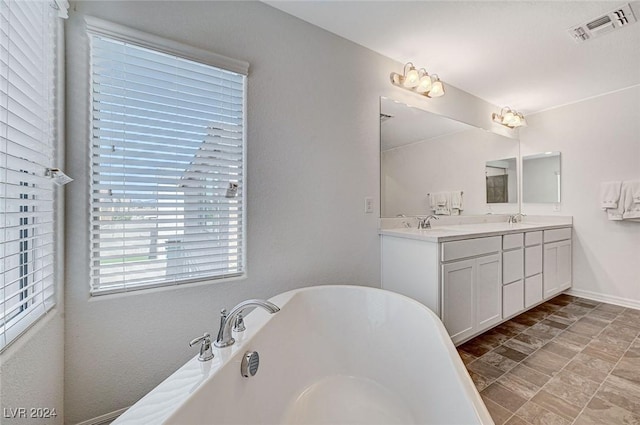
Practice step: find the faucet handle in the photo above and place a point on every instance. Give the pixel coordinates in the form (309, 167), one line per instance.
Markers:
(238, 324)
(206, 352)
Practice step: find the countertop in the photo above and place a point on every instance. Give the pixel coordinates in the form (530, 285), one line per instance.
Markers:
(468, 231)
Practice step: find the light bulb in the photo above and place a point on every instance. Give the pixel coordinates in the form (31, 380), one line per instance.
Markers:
(424, 85)
(508, 117)
(412, 78)
(437, 88)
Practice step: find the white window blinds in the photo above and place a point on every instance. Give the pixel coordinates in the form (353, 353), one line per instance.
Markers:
(27, 53)
(167, 168)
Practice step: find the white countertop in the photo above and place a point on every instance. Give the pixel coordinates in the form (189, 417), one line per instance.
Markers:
(469, 231)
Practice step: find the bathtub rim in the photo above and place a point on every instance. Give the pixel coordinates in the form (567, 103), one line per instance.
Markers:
(196, 374)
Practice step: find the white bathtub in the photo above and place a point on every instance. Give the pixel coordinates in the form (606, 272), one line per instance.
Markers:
(332, 355)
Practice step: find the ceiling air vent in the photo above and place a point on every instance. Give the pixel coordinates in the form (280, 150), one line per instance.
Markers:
(616, 19)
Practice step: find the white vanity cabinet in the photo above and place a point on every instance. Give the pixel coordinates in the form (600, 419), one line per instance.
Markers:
(556, 270)
(471, 286)
(474, 279)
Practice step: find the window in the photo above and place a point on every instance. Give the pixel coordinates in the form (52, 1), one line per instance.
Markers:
(27, 127)
(167, 191)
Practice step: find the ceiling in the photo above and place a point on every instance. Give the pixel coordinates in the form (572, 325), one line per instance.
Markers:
(509, 53)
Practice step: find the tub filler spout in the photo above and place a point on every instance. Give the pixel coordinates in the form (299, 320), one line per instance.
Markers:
(224, 338)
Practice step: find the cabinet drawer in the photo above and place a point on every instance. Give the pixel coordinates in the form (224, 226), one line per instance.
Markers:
(512, 266)
(513, 298)
(512, 241)
(470, 248)
(532, 238)
(557, 234)
(532, 290)
(532, 260)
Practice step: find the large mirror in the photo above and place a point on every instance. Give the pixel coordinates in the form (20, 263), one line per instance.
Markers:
(423, 153)
(541, 178)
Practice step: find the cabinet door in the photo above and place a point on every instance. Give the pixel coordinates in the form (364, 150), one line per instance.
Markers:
(488, 301)
(556, 273)
(564, 265)
(458, 298)
(512, 298)
(512, 266)
(532, 260)
(532, 290)
(550, 270)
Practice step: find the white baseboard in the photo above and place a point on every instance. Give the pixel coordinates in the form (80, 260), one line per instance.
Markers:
(105, 419)
(595, 296)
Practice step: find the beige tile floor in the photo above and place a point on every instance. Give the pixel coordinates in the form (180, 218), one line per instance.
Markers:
(567, 361)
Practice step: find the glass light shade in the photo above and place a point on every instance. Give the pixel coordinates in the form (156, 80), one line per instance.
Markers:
(437, 89)
(523, 122)
(424, 85)
(507, 118)
(412, 79)
(516, 121)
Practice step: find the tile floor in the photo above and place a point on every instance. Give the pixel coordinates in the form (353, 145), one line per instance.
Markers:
(567, 361)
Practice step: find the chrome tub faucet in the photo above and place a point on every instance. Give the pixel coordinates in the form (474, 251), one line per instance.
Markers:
(234, 319)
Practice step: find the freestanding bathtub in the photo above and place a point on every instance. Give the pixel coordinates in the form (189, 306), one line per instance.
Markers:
(332, 355)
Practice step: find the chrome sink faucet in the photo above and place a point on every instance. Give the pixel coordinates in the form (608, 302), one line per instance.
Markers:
(425, 222)
(234, 318)
(514, 218)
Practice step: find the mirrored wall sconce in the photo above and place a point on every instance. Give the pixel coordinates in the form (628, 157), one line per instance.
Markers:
(509, 118)
(419, 81)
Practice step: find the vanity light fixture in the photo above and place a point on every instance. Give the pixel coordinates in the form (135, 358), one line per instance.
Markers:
(509, 118)
(418, 80)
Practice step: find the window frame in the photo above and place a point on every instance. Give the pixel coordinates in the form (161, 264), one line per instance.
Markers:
(48, 294)
(99, 27)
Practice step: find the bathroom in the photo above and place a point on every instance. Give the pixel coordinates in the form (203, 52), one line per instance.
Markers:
(313, 158)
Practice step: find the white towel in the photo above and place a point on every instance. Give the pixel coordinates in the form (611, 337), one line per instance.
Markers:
(456, 200)
(610, 194)
(440, 203)
(631, 209)
(634, 190)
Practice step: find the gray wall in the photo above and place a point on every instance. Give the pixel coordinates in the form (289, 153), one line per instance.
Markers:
(599, 140)
(313, 157)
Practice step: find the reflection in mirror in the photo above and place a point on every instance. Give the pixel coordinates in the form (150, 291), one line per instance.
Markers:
(502, 181)
(541, 178)
(424, 153)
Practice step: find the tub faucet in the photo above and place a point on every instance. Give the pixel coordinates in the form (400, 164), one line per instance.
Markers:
(224, 338)
(514, 218)
(425, 222)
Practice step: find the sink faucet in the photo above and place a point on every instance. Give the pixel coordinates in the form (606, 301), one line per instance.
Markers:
(425, 222)
(514, 218)
(224, 338)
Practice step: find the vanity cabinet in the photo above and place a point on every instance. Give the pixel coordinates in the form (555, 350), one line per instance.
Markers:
(474, 283)
(472, 286)
(556, 270)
